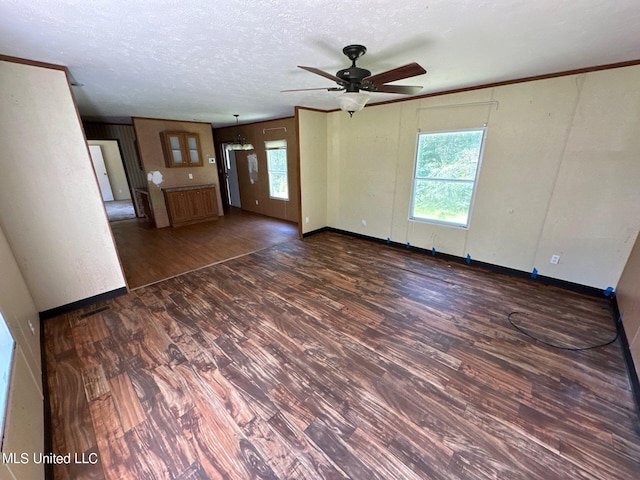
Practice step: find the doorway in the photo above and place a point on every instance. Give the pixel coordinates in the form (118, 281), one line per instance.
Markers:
(112, 179)
(231, 177)
(101, 173)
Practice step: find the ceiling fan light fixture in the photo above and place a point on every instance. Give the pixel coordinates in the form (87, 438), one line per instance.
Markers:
(353, 101)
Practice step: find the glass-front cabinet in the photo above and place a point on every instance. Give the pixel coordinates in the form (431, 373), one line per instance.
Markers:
(182, 149)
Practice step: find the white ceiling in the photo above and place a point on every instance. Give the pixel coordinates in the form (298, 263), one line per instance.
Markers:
(208, 59)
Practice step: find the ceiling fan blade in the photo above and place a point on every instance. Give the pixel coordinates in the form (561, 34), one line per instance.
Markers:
(317, 71)
(404, 89)
(330, 89)
(406, 71)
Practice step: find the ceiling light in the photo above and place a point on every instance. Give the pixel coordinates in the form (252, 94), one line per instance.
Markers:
(240, 143)
(353, 101)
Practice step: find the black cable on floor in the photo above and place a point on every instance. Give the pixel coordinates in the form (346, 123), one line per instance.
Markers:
(557, 346)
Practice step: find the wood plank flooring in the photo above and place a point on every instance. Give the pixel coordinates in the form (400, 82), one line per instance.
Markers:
(150, 254)
(335, 357)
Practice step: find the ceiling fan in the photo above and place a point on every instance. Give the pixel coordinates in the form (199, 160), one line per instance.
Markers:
(354, 79)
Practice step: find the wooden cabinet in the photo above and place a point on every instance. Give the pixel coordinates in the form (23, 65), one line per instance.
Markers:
(182, 149)
(187, 205)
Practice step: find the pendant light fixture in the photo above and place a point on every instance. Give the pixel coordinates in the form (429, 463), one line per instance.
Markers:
(239, 143)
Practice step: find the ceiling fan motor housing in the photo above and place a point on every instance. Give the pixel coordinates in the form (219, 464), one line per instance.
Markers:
(353, 75)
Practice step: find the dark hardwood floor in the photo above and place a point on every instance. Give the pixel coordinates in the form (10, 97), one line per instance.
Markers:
(150, 254)
(335, 357)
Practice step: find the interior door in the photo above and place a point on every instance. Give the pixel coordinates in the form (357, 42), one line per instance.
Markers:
(101, 172)
(231, 171)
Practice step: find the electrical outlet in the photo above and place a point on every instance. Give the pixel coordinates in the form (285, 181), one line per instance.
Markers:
(306, 219)
(554, 259)
(364, 222)
(31, 327)
(212, 160)
(191, 176)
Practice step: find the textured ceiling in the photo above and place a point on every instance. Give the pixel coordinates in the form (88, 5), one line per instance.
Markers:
(208, 59)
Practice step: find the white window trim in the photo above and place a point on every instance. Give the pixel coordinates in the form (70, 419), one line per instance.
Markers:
(276, 145)
(466, 226)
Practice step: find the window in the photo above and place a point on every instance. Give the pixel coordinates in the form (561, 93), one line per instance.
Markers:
(277, 168)
(446, 170)
(6, 357)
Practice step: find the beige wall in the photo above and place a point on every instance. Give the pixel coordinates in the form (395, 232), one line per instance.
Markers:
(559, 174)
(628, 296)
(312, 126)
(51, 210)
(255, 195)
(159, 176)
(594, 211)
(24, 428)
(115, 168)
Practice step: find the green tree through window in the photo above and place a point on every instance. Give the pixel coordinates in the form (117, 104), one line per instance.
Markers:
(446, 170)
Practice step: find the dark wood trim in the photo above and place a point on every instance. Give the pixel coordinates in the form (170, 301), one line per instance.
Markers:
(533, 78)
(314, 109)
(107, 123)
(220, 166)
(48, 429)
(626, 353)
(297, 127)
(33, 63)
(324, 229)
(288, 117)
(70, 307)
(166, 120)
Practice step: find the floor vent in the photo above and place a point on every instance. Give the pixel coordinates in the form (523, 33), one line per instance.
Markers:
(78, 318)
(93, 312)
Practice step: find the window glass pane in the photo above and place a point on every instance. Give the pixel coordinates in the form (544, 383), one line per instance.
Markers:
(175, 143)
(177, 156)
(445, 175)
(278, 187)
(442, 201)
(6, 358)
(277, 160)
(192, 143)
(278, 178)
(449, 154)
(194, 156)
